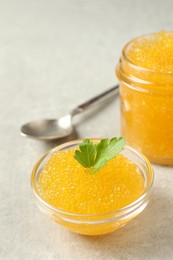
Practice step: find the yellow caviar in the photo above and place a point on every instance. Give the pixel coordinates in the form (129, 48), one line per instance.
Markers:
(67, 185)
(145, 73)
(154, 52)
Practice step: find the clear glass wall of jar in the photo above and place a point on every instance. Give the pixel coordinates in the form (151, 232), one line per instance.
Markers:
(146, 109)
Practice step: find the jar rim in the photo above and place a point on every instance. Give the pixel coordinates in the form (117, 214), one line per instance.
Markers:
(138, 67)
(120, 211)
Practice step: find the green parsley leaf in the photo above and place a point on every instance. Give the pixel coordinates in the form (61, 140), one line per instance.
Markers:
(107, 150)
(87, 154)
(95, 156)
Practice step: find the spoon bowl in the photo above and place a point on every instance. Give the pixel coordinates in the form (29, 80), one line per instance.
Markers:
(48, 129)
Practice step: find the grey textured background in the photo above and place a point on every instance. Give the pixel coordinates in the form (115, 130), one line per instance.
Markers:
(53, 56)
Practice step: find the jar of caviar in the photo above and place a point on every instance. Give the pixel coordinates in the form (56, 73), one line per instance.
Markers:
(145, 73)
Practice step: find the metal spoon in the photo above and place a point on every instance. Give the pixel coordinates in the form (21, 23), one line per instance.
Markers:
(50, 129)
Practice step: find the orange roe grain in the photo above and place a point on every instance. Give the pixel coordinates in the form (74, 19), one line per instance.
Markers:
(153, 51)
(67, 185)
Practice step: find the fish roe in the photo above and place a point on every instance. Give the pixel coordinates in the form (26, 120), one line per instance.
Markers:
(145, 72)
(68, 186)
(153, 52)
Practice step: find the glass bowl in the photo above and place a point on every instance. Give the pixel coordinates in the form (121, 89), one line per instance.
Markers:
(102, 223)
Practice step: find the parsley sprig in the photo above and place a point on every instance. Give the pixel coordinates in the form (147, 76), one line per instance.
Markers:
(95, 156)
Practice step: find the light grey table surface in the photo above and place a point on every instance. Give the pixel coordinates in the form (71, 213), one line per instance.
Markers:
(53, 56)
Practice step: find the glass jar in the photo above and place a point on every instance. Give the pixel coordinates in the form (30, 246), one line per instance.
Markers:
(146, 108)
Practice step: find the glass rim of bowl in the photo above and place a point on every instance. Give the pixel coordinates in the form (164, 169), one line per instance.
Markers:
(130, 208)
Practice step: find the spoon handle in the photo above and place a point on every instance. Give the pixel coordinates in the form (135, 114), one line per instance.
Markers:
(96, 100)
